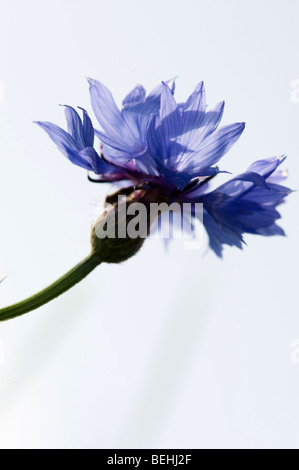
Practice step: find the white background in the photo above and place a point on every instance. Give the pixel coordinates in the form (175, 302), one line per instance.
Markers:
(173, 350)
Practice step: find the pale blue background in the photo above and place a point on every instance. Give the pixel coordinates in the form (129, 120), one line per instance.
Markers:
(167, 350)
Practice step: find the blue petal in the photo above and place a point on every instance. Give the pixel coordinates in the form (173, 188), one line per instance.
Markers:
(193, 139)
(213, 148)
(61, 138)
(278, 177)
(91, 161)
(194, 110)
(120, 150)
(138, 125)
(115, 143)
(136, 96)
(241, 183)
(271, 231)
(74, 126)
(105, 109)
(87, 129)
(252, 177)
(79, 159)
(274, 196)
(96, 164)
(219, 236)
(170, 115)
(268, 166)
(248, 216)
(178, 179)
(210, 123)
(151, 104)
(147, 165)
(155, 139)
(239, 214)
(236, 185)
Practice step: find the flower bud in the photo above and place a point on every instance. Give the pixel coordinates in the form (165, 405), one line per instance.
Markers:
(111, 239)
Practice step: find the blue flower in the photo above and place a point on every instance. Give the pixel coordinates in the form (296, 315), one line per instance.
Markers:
(171, 150)
(245, 204)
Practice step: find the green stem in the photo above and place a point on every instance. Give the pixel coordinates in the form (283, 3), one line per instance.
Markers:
(60, 286)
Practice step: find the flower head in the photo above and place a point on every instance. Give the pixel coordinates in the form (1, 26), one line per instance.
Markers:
(245, 204)
(171, 150)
